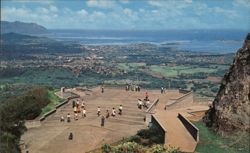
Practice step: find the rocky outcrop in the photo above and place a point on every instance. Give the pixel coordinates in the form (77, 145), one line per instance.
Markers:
(230, 110)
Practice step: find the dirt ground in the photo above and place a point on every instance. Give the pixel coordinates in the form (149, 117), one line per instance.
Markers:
(51, 136)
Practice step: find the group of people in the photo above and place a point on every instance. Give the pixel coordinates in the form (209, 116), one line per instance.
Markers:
(113, 112)
(145, 103)
(81, 108)
(133, 88)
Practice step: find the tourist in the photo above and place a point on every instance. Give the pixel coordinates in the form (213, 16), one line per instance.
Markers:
(83, 112)
(76, 116)
(127, 88)
(113, 112)
(139, 104)
(102, 121)
(68, 117)
(62, 119)
(102, 89)
(120, 110)
(107, 114)
(77, 103)
(146, 96)
(162, 89)
(73, 104)
(70, 136)
(147, 103)
(82, 105)
(75, 109)
(99, 111)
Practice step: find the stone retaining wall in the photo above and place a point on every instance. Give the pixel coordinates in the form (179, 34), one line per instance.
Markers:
(158, 125)
(192, 129)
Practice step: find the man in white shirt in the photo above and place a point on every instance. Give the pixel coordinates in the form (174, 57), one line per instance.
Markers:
(99, 111)
(83, 112)
(120, 110)
(113, 112)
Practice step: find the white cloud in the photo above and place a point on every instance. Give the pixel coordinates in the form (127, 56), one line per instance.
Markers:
(101, 3)
(82, 12)
(53, 8)
(244, 3)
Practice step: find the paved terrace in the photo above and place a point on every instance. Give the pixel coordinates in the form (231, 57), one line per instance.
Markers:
(176, 133)
(52, 135)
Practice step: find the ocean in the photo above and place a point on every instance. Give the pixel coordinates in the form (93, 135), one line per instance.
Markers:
(212, 41)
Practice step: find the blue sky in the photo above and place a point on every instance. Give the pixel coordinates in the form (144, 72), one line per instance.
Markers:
(130, 14)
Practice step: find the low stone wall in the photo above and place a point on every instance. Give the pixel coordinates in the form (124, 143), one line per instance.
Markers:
(57, 106)
(149, 111)
(192, 129)
(183, 91)
(158, 125)
(183, 100)
(153, 105)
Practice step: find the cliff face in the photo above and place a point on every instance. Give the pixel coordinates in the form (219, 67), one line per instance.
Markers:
(231, 107)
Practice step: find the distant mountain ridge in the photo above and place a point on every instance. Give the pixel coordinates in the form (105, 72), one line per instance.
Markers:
(14, 45)
(22, 28)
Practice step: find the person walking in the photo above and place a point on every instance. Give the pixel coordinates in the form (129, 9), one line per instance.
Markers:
(107, 114)
(62, 119)
(120, 110)
(99, 111)
(102, 89)
(84, 112)
(102, 121)
(68, 117)
(113, 112)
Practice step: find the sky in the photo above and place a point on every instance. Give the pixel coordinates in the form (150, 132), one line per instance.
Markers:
(130, 14)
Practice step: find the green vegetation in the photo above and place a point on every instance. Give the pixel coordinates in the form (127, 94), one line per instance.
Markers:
(13, 112)
(133, 147)
(212, 142)
(145, 141)
(182, 70)
(54, 100)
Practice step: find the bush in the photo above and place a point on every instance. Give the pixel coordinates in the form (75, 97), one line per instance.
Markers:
(106, 148)
(14, 111)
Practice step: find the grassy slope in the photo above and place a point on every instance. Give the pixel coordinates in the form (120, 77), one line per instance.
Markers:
(54, 100)
(211, 142)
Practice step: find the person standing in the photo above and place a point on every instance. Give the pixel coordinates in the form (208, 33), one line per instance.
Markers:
(107, 114)
(113, 112)
(102, 121)
(76, 116)
(102, 89)
(120, 110)
(83, 112)
(70, 136)
(62, 119)
(162, 89)
(99, 111)
(68, 117)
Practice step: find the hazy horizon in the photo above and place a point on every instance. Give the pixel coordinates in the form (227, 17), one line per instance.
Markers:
(130, 15)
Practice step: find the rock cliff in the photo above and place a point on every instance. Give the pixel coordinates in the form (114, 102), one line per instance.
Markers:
(230, 110)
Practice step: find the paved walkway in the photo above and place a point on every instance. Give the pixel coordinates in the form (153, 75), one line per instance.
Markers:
(52, 135)
(177, 135)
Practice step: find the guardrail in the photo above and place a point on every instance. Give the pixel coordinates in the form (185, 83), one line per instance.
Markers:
(192, 129)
